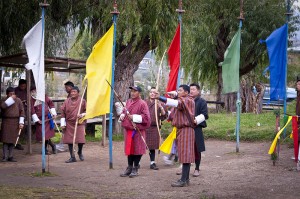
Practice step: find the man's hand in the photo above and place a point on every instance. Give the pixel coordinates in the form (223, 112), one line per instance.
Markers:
(39, 122)
(195, 121)
(21, 126)
(122, 116)
(14, 97)
(63, 127)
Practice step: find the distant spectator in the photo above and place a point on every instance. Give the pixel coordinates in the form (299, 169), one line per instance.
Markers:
(68, 87)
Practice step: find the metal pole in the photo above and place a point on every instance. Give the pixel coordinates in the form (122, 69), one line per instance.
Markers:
(238, 103)
(288, 8)
(180, 11)
(115, 15)
(43, 5)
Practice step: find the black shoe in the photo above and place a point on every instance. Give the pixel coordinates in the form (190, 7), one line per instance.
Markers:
(54, 150)
(19, 147)
(179, 183)
(127, 172)
(81, 157)
(153, 166)
(4, 160)
(11, 159)
(71, 160)
(134, 172)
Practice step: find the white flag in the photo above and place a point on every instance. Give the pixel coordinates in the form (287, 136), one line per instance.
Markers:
(34, 44)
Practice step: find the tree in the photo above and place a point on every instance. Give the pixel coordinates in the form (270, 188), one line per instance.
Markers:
(212, 33)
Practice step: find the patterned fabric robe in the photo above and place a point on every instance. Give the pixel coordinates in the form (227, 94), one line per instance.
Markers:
(200, 108)
(10, 120)
(22, 94)
(69, 110)
(185, 131)
(139, 107)
(152, 135)
(49, 133)
(298, 111)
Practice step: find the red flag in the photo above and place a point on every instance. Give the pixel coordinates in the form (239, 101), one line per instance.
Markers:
(174, 60)
(295, 136)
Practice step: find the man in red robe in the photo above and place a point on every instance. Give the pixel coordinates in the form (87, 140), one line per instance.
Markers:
(69, 116)
(298, 114)
(135, 119)
(184, 115)
(36, 111)
(152, 134)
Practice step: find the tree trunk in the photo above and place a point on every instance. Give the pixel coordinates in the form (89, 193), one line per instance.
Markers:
(251, 98)
(230, 102)
(127, 63)
(220, 88)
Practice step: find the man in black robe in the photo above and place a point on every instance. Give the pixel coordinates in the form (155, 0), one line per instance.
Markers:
(201, 115)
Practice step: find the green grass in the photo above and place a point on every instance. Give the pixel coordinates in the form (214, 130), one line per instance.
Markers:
(222, 126)
(40, 174)
(12, 192)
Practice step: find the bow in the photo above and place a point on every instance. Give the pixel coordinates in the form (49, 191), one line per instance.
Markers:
(156, 104)
(127, 113)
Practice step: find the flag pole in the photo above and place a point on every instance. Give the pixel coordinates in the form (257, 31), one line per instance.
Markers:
(180, 11)
(43, 5)
(238, 101)
(115, 14)
(288, 14)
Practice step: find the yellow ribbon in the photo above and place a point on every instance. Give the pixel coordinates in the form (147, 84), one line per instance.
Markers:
(272, 148)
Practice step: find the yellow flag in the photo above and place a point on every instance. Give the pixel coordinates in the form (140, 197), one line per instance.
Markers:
(273, 145)
(98, 70)
(166, 146)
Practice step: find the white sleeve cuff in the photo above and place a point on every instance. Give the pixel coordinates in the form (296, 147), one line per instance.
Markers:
(172, 102)
(83, 114)
(35, 118)
(10, 101)
(53, 111)
(21, 120)
(200, 118)
(137, 118)
(62, 121)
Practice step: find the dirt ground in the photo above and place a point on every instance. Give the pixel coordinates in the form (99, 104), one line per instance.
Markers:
(224, 174)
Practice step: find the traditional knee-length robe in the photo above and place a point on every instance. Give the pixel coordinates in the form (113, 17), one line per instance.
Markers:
(49, 133)
(69, 110)
(184, 115)
(134, 145)
(152, 135)
(10, 120)
(200, 108)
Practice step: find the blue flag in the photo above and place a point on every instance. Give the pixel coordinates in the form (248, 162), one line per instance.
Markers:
(277, 51)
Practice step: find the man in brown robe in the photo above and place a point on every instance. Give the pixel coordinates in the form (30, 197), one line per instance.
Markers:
(298, 114)
(12, 111)
(21, 92)
(135, 119)
(152, 134)
(68, 87)
(184, 115)
(36, 111)
(69, 117)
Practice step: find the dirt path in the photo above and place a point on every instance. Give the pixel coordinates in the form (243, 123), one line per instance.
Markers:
(224, 174)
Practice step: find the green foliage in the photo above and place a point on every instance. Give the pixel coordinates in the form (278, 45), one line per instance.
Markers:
(213, 27)
(253, 127)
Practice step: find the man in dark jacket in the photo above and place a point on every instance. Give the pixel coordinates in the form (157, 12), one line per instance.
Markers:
(201, 114)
